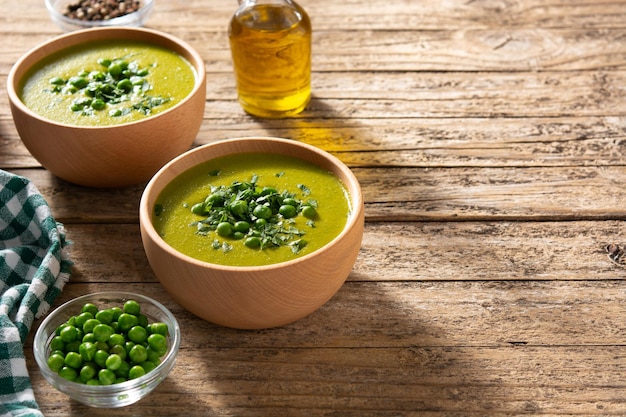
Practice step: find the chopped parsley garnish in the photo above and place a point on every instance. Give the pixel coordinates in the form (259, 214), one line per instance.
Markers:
(260, 217)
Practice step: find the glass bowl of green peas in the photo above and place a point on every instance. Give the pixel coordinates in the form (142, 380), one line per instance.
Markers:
(107, 349)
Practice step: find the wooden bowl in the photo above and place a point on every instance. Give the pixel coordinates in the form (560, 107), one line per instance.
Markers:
(253, 297)
(109, 156)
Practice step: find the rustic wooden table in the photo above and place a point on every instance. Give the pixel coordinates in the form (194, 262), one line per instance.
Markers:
(488, 137)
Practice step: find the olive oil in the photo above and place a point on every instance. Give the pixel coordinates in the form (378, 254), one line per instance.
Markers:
(270, 43)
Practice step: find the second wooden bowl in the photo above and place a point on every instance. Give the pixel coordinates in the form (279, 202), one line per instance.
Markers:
(253, 297)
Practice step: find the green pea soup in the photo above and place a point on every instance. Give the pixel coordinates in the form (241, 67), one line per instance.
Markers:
(176, 224)
(168, 77)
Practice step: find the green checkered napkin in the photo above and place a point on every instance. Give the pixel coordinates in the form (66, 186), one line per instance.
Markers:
(33, 270)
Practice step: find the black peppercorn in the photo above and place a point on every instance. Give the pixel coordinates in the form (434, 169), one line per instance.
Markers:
(101, 9)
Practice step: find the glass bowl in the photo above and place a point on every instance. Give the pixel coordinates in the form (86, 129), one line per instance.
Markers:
(115, 395)
(57, 9)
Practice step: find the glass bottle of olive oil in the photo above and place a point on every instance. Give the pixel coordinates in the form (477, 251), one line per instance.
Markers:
(270, 42)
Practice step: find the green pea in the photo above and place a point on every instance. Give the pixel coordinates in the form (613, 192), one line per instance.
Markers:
(132, 307)
(69, 334)
(154, 356)
(118, 350)
(106, 376)
(68, 373)
(199, 209)
(241, 226)
(224, 229)
(113, 362)
(57, 81)
(128, 346)
(82, 318)
(290, 201)
(239, 208)
(142, 320)
(116, 339)
(136, 372)
(215, 199)
(147, 366)
(127, 321)
(76, 106)
(101, 345)
(309, 212)
(90, 325)
(56, 362)
(125, 85)
(87, 350)
(116, 312)
(262, 212)
(122, 371)
(72, 346)
(288, 211)
(87, 372)
(97, 76)
(260, 224)
(74, 360)
(138, 334)
(253, 242)
(158, 343)
(98, 104)
(105, 316)
(115, 70)
(105, 62)
(138, 354)
(102, 332)
(89, 337)
(57, 343)
(93, 382)
(115, 112)
(78, 82)
(159, 328)
(100, 358)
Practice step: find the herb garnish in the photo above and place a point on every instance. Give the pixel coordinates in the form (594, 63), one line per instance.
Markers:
(118, 81)
(261, 217)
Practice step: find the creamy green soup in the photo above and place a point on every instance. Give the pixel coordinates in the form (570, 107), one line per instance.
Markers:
(215, 189)
(107, 83)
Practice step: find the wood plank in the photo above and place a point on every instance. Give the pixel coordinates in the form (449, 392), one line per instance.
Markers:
(475, 142)
(412, 381)
(211, 16)
(492, 49)
(403, 95)
(429, 314)
(397, 251)
(407, 194)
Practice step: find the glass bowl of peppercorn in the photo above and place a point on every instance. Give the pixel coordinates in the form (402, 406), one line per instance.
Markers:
(107, 349)
(72, 15)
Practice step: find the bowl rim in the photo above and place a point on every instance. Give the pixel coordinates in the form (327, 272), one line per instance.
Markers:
(144, 9)
(39, 352)
(356, 202)
(101, 34)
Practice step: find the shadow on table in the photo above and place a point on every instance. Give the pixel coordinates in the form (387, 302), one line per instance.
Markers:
(375, 348)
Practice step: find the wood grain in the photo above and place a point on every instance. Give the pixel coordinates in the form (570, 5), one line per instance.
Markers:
(488, 137)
